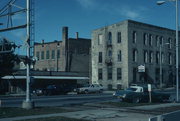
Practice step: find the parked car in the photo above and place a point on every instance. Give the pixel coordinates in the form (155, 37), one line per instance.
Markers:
(133, 88)
(38, 91)
(93, 88)
(142, 96)
(54, 90)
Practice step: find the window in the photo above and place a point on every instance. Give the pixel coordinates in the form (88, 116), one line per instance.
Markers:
(53, 54)
(157, 57)
(150, 40)
(145, 56)
(170, 59)
(47, 54)
(151, 57)
(100, 57)
(110, 53)
(119, 56)
(109, 38)
(42, 55)
(100, 74)
(162, 57)
(161, 40)
(119, 73)
(109, 73)
(157, 41)
(169, 43)
(134, 36)
(37, 55)
(58, 53)
(135, 55)
(119, 37)
(100, 39)
(145, 38)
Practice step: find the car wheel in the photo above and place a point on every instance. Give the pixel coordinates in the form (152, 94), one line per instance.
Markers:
(86, 91)
(136, 100)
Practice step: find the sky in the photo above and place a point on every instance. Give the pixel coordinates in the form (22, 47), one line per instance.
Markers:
(84, 16)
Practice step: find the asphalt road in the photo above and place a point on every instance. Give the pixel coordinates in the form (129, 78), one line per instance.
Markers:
(59, 100)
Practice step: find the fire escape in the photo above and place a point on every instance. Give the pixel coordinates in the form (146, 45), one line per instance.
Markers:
(109, 59)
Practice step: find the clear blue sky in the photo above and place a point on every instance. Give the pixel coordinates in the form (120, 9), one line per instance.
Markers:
(83, 16)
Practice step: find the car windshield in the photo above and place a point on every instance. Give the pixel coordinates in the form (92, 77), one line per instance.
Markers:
(131, 89)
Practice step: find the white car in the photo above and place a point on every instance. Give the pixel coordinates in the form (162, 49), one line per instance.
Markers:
(93, 88)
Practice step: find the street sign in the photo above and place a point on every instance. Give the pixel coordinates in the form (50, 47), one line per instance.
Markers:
(141, 68)
(149, 87)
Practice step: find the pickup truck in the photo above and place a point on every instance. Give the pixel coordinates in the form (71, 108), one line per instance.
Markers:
(136, 94)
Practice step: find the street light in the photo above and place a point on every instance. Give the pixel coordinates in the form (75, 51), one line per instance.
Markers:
(177, 60)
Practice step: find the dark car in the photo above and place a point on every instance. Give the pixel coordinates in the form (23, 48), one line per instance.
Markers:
(137, 97)
(54, 90)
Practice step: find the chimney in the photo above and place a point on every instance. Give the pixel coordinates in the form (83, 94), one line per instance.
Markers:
(77, 35)
(64, 33)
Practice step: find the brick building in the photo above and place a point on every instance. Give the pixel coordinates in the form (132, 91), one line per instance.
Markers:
(70, 54)
(119, 49)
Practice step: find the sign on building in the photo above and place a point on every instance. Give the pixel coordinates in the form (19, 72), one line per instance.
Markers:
(141, 68)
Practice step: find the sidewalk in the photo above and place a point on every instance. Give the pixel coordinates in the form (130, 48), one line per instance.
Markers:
(102, 113)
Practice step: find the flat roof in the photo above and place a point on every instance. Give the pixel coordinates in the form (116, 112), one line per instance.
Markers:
(45, 77)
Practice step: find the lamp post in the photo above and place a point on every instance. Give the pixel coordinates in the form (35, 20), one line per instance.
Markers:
(177, 60)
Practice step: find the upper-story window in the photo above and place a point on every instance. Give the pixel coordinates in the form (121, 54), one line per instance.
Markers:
(169, 43)
(119, 56)
(161, 41)
(58, 53)
(134, 36)
(157, 41)
(150, 40)
(109, 38)
(157, 57)
(47, 54)
(151, 57)
(119, 37)
(134, 55)
(145, 38)
(37, 55)
(100, 39)
(42, 55)
(100, 57)
(110, 53)
(53, 54)
(145, 56)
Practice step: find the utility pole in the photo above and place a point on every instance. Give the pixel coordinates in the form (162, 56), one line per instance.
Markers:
(28, 104)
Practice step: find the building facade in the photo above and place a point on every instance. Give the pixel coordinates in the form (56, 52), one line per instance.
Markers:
(70, 54)
(119, 49)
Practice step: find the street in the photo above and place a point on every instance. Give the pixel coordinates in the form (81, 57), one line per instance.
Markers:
(58, 100)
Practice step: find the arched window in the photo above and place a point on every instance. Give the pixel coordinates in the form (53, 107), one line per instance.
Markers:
(145, 38)
(157, 41)
(135, 55)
